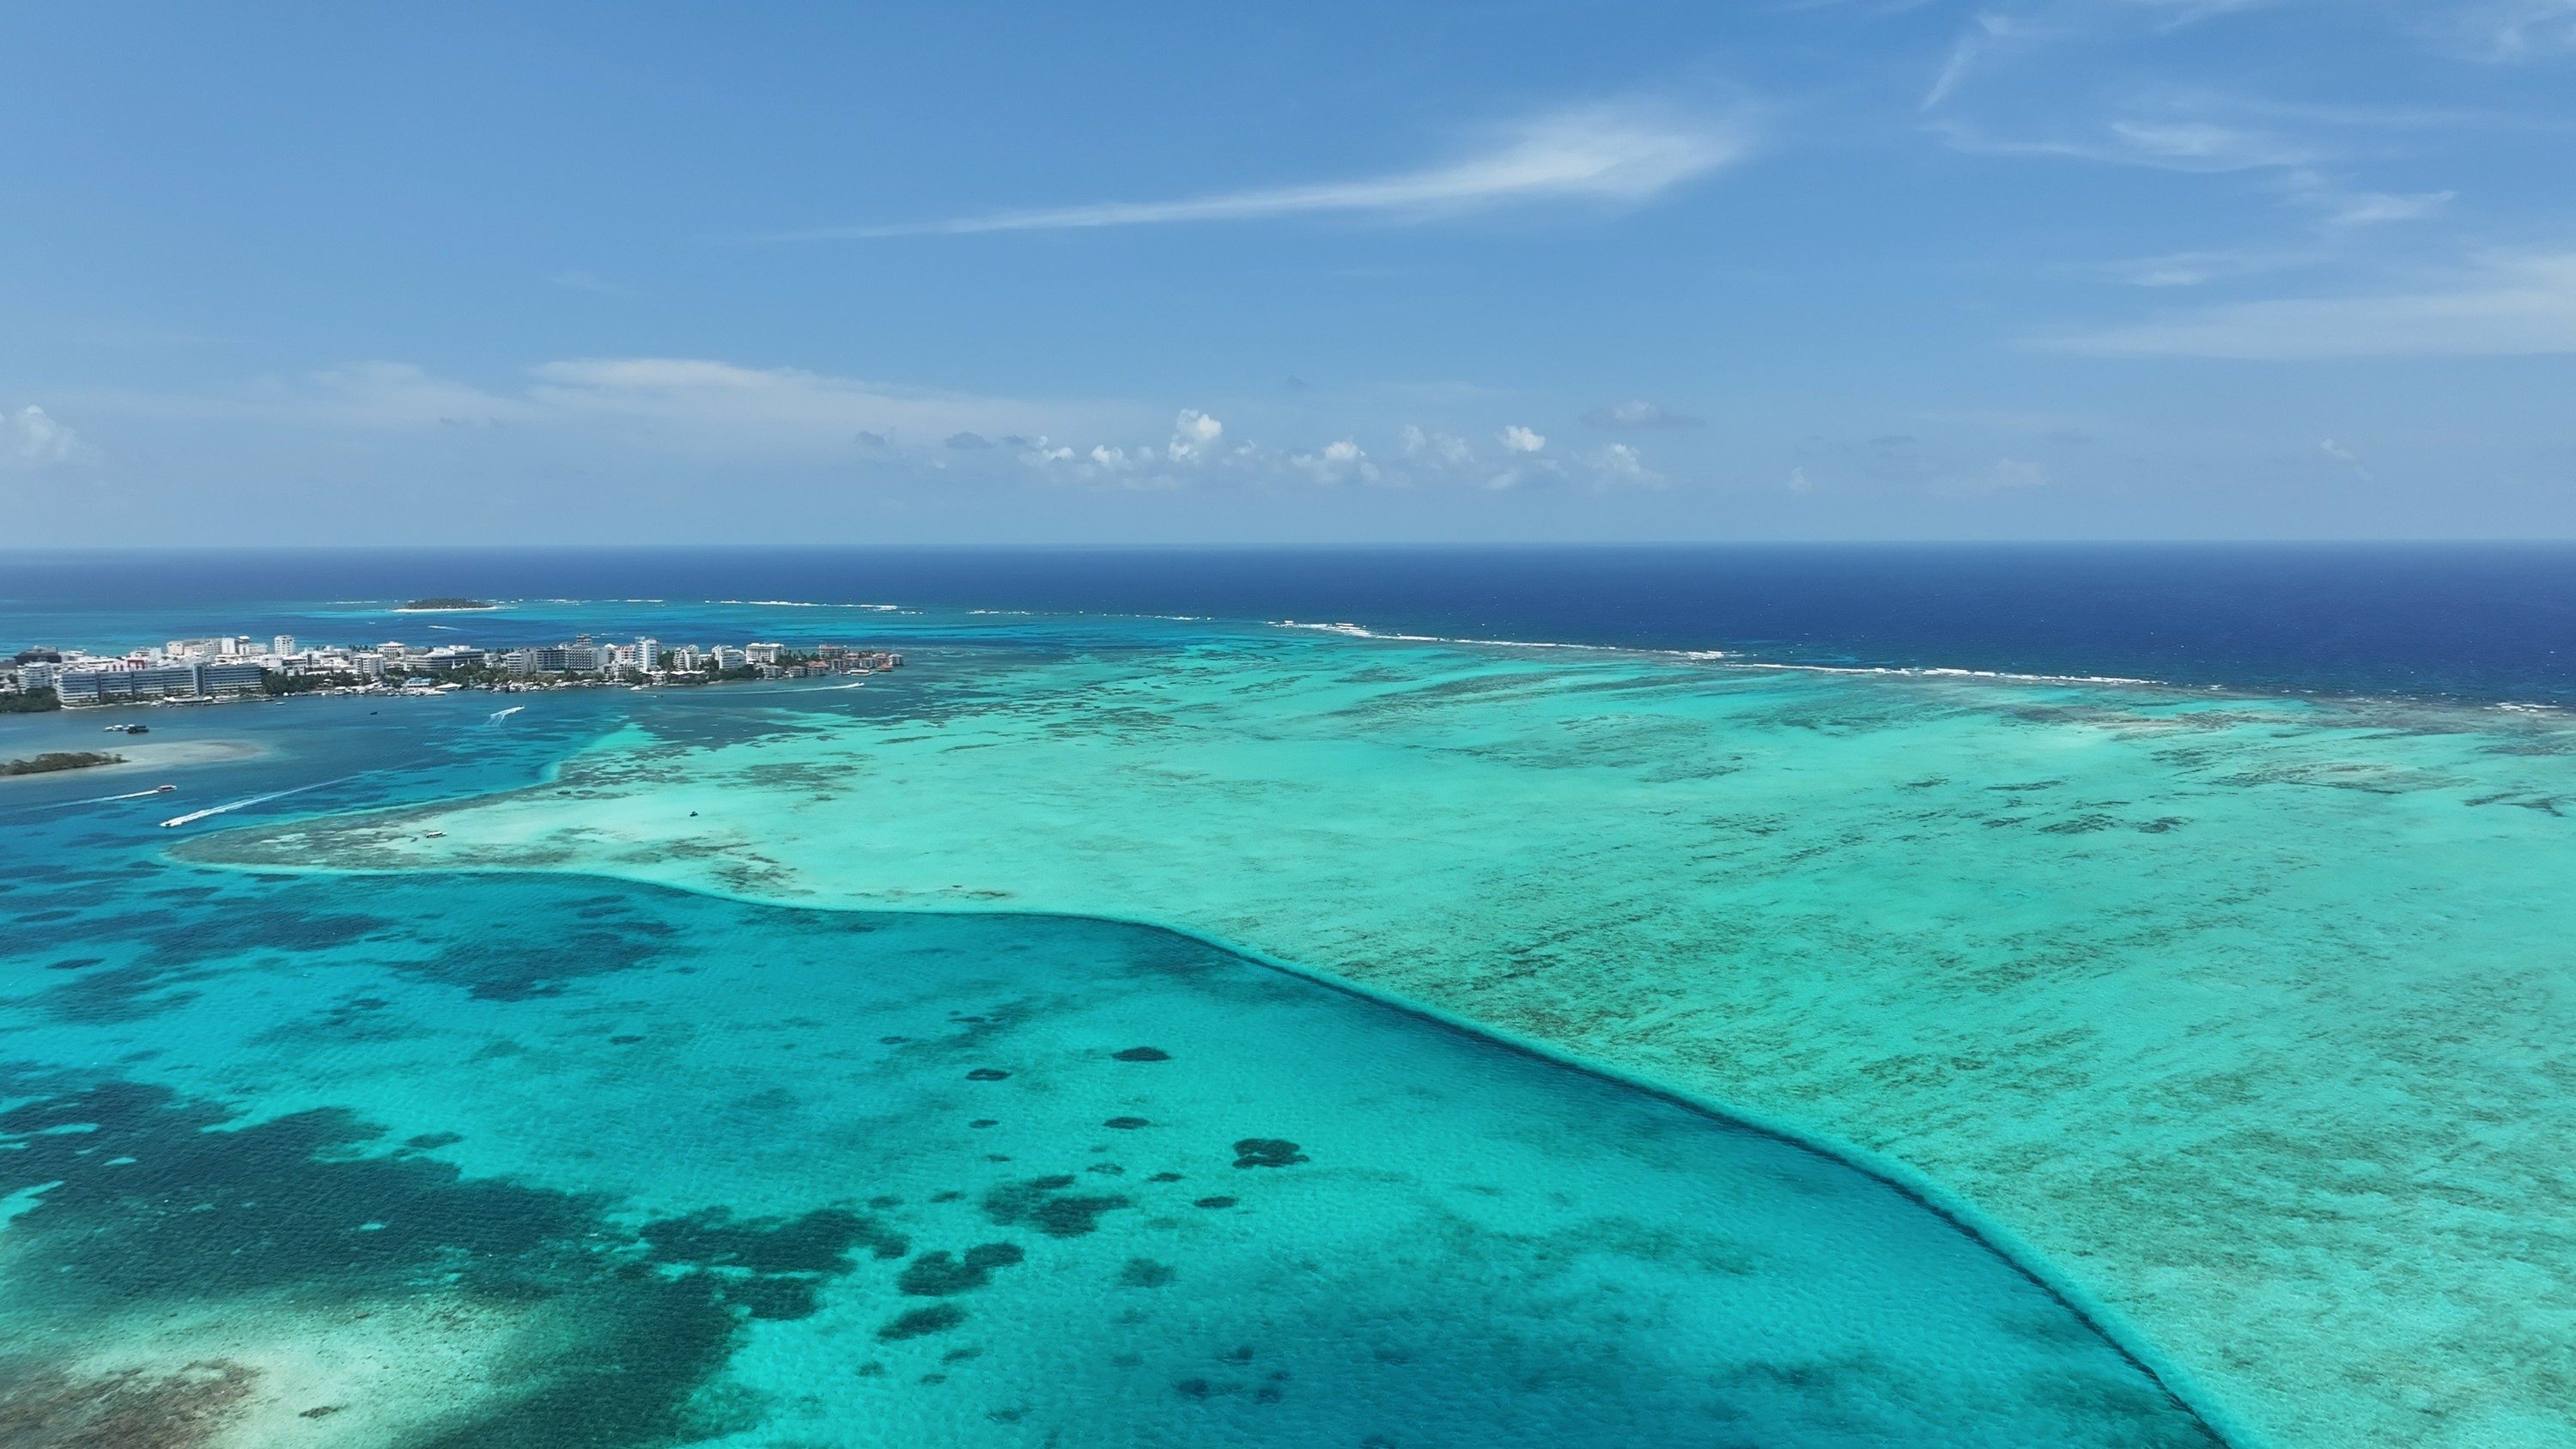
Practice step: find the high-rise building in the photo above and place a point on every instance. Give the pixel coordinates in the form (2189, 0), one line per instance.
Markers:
(762, 653)
(282, 645)
(648, 654)
(196, 679)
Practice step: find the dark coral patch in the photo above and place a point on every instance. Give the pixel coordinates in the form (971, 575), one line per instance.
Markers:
(782, 1299)
(428, 1141)
(117, 995)
(818, 1242)
(1041, 1203)
(1143, 1054)
(936, 1318)
(1145, 1273)
(937, 1275)
(531, 970)
(1126, 1124)
(986, 1074)
(1214, 1202)
(1267, 1152)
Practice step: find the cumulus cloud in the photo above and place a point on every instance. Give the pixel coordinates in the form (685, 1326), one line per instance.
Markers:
(1619, 463)
(1193, 434)
(1638, 413)
(1518, 439)
(1601, 154)
(1432, 446)
(31, 438)
(1340, 461)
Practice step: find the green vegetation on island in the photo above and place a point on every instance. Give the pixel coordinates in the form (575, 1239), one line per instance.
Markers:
(46, 764)
(447, 601)
(29, 701)
(277, 683)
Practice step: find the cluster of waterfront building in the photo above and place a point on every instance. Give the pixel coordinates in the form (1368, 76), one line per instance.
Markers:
(238, 666)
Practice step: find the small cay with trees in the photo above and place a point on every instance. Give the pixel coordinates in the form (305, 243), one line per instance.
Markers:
(54, 760)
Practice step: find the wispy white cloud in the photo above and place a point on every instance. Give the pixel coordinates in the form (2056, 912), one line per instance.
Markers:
(2337, 453)
(1988, 30)
(1640, 414)
(2507, 30)
(665, 403)
(574, 279)
(775, 406)
(1613, 155)
(2164, 144)
(2376, 208)
(2499, 306)
(2006, 476)
(2199, 268)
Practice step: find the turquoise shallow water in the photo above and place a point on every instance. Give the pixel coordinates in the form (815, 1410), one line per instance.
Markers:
(2245, 1019)
(508, 1158)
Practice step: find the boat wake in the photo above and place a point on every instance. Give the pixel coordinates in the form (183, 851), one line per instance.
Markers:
(98, 800)
(193, 816)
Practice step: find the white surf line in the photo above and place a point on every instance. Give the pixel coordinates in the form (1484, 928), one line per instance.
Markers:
(194, 816)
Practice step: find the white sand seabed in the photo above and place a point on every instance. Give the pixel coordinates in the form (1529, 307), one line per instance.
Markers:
(359, 1376)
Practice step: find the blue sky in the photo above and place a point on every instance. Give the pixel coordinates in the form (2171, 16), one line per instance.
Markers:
(1143, 273)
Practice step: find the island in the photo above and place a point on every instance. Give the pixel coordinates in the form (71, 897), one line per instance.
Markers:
(46, 764)
(444, 601)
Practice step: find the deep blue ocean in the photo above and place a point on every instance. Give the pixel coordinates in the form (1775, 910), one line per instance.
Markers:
(2484, 622)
